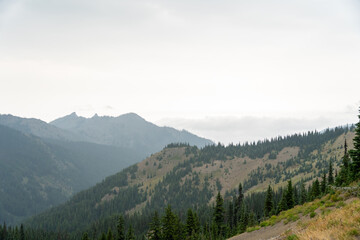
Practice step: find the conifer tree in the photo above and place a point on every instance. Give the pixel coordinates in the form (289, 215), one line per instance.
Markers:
(197, 223)
(103, 236)
(190, 223)
(241, 196)
(109, 235)
(179, 231)
(283, 202)
(85, 236)
(22, 234)
(331, 174)
(323, 184)
(168, 224)
(130, 234)
(345, 174)
(289, 195)
(155, 228)
(244, 218)
(230, 215)
(315, 190)
(120, 228)
(219, 213)
(269, 203)
(303, 194)
(355, 153)
(296, 196)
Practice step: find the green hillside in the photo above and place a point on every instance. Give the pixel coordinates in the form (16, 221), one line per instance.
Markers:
(188, 177)
(36, 174)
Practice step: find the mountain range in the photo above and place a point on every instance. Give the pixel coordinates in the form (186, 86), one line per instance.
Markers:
(44, 164)
(188, 177)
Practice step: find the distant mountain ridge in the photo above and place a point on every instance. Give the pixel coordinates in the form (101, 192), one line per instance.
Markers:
(127, 130)
(37, 127)
(42, 165)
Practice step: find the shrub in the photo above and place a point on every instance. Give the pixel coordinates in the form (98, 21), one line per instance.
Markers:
(292, 237)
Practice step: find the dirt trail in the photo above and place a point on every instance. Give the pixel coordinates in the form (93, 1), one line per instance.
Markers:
(266, 233)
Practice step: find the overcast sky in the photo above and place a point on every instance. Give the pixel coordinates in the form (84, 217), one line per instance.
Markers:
(227, 70)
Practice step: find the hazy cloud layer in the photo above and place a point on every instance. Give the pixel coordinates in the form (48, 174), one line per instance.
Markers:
(240, 129)
(179, 59)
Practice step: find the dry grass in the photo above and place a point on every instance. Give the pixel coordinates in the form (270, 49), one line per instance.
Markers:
(342, 223)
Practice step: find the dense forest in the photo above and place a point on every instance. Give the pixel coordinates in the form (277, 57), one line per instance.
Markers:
(187, 204)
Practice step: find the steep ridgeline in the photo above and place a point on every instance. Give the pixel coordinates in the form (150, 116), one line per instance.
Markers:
(188, 177)
(128, 130)
(36, 174)
(38, 128)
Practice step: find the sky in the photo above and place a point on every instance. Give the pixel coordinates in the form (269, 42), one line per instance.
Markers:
(227, 70)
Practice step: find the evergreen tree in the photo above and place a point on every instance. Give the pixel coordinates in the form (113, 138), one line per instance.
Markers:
(4, 232)
(303, 193)
(355, 153)
(197, 223)
(120, 229)
(237, 205)
(130, 234)
(219, 213)
(289, 195)
(244, 218)
(296, 196)
(283, 202)
(344, 176)
(155, 228)
(269, 203)
(109, 235)
(323, 184)
(103, 236)
(315, 190)
(331, 174)
(85, 236)
(179, 229)
(241, 196)
(346, 161)
(230, 215)
(190, 223)
(168, 224)
(22, 234)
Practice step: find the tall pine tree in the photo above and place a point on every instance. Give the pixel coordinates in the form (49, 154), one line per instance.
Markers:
(120, 228)
(219, 213)
(290, 195)
(323, 184)
(269, 203)
(331, 173)
(168, 224)
(130, 234)
(155, 228)
(355, 153)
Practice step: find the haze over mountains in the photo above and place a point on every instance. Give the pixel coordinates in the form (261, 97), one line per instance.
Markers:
(128, 130)
(44, 164)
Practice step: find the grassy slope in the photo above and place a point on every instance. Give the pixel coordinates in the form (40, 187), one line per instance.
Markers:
(335, 216)
(230, 173)
(111, 196)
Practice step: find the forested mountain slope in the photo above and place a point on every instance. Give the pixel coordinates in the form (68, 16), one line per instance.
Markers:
(185, 176)
(36, 173)
(128, 130)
